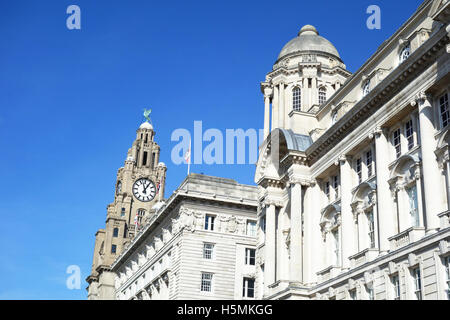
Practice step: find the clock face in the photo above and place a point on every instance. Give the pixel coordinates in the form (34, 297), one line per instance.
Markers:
(144, 190)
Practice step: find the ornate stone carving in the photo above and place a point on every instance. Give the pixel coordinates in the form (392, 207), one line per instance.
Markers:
(232, 224)
(187, 219)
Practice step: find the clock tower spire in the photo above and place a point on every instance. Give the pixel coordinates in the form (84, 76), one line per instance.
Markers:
(140, 184)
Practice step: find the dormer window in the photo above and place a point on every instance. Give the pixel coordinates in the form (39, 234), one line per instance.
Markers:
(322, 95)
(297, 99)
(404, 54)
(366, 88)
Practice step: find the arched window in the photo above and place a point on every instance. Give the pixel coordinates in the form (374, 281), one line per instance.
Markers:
(404, 54)
(140, 216)
(405, 183)
(366, 88)
(322, 95)
(115, 232)
(364, 212)
(331, 232)
(297, 99)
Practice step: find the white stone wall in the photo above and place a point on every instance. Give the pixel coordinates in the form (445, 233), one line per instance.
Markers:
(165, 260)
(329, 248)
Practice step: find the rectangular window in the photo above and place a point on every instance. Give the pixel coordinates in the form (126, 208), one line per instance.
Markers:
(396, 142)
(371, 229)
(115, 232)
(250, 256)
(444, 110)
(369, 163)
(122, 212)
(417, 283)
(113, 248)
(206, 285)
(327, 189)
(144, 160)
(336, 186)
(395, 280)
(352, 294)
(208, 249)
(409, 133)
(370, 292)
(209, 222)
(248, 288)
(251, 228)
(263, 224)
(359, 169)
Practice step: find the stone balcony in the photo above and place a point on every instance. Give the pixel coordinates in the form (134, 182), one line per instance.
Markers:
(406, 237)
(444, 219)
(328, 273)
(363, 257)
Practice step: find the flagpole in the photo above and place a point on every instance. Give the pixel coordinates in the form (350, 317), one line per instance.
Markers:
(189, 163)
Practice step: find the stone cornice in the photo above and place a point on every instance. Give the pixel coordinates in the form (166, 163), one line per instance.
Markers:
(421, 59)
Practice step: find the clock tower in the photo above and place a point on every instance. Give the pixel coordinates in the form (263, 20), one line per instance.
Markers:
(139, 191)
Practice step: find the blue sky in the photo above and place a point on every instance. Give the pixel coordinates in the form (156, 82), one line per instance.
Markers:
(71, 101)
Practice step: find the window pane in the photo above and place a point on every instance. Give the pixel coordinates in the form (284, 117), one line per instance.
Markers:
(206, 284)
(443, 108)
(409, 134)
(296, 99)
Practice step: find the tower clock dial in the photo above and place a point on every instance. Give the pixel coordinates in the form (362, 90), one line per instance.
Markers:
(144, 190)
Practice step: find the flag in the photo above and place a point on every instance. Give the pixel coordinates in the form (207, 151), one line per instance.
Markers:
(187, 157)
(136, 221)
(158, 185)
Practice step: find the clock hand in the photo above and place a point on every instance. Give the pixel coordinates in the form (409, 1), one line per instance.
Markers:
(145, 188)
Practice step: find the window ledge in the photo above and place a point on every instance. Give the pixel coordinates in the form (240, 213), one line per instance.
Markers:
(363, 257)
(406, 237)
(444, 219)
(329, 273)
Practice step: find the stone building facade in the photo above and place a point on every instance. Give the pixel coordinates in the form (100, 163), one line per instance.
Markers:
(139, 187)
(354, 175)
(200, 244)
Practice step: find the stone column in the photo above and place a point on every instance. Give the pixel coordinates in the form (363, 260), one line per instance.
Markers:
(385, 208)
(275, 108)
(282, 107)
(269, 261)
(347, 244)
(313, 236)
(266, 116)
(418, 178)
(296, 266)
(434, 198)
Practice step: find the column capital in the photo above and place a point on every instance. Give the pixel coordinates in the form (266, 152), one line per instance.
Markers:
(273, 202)
(377, 132)
(300, 181)
(421, 98)
(342, 159)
